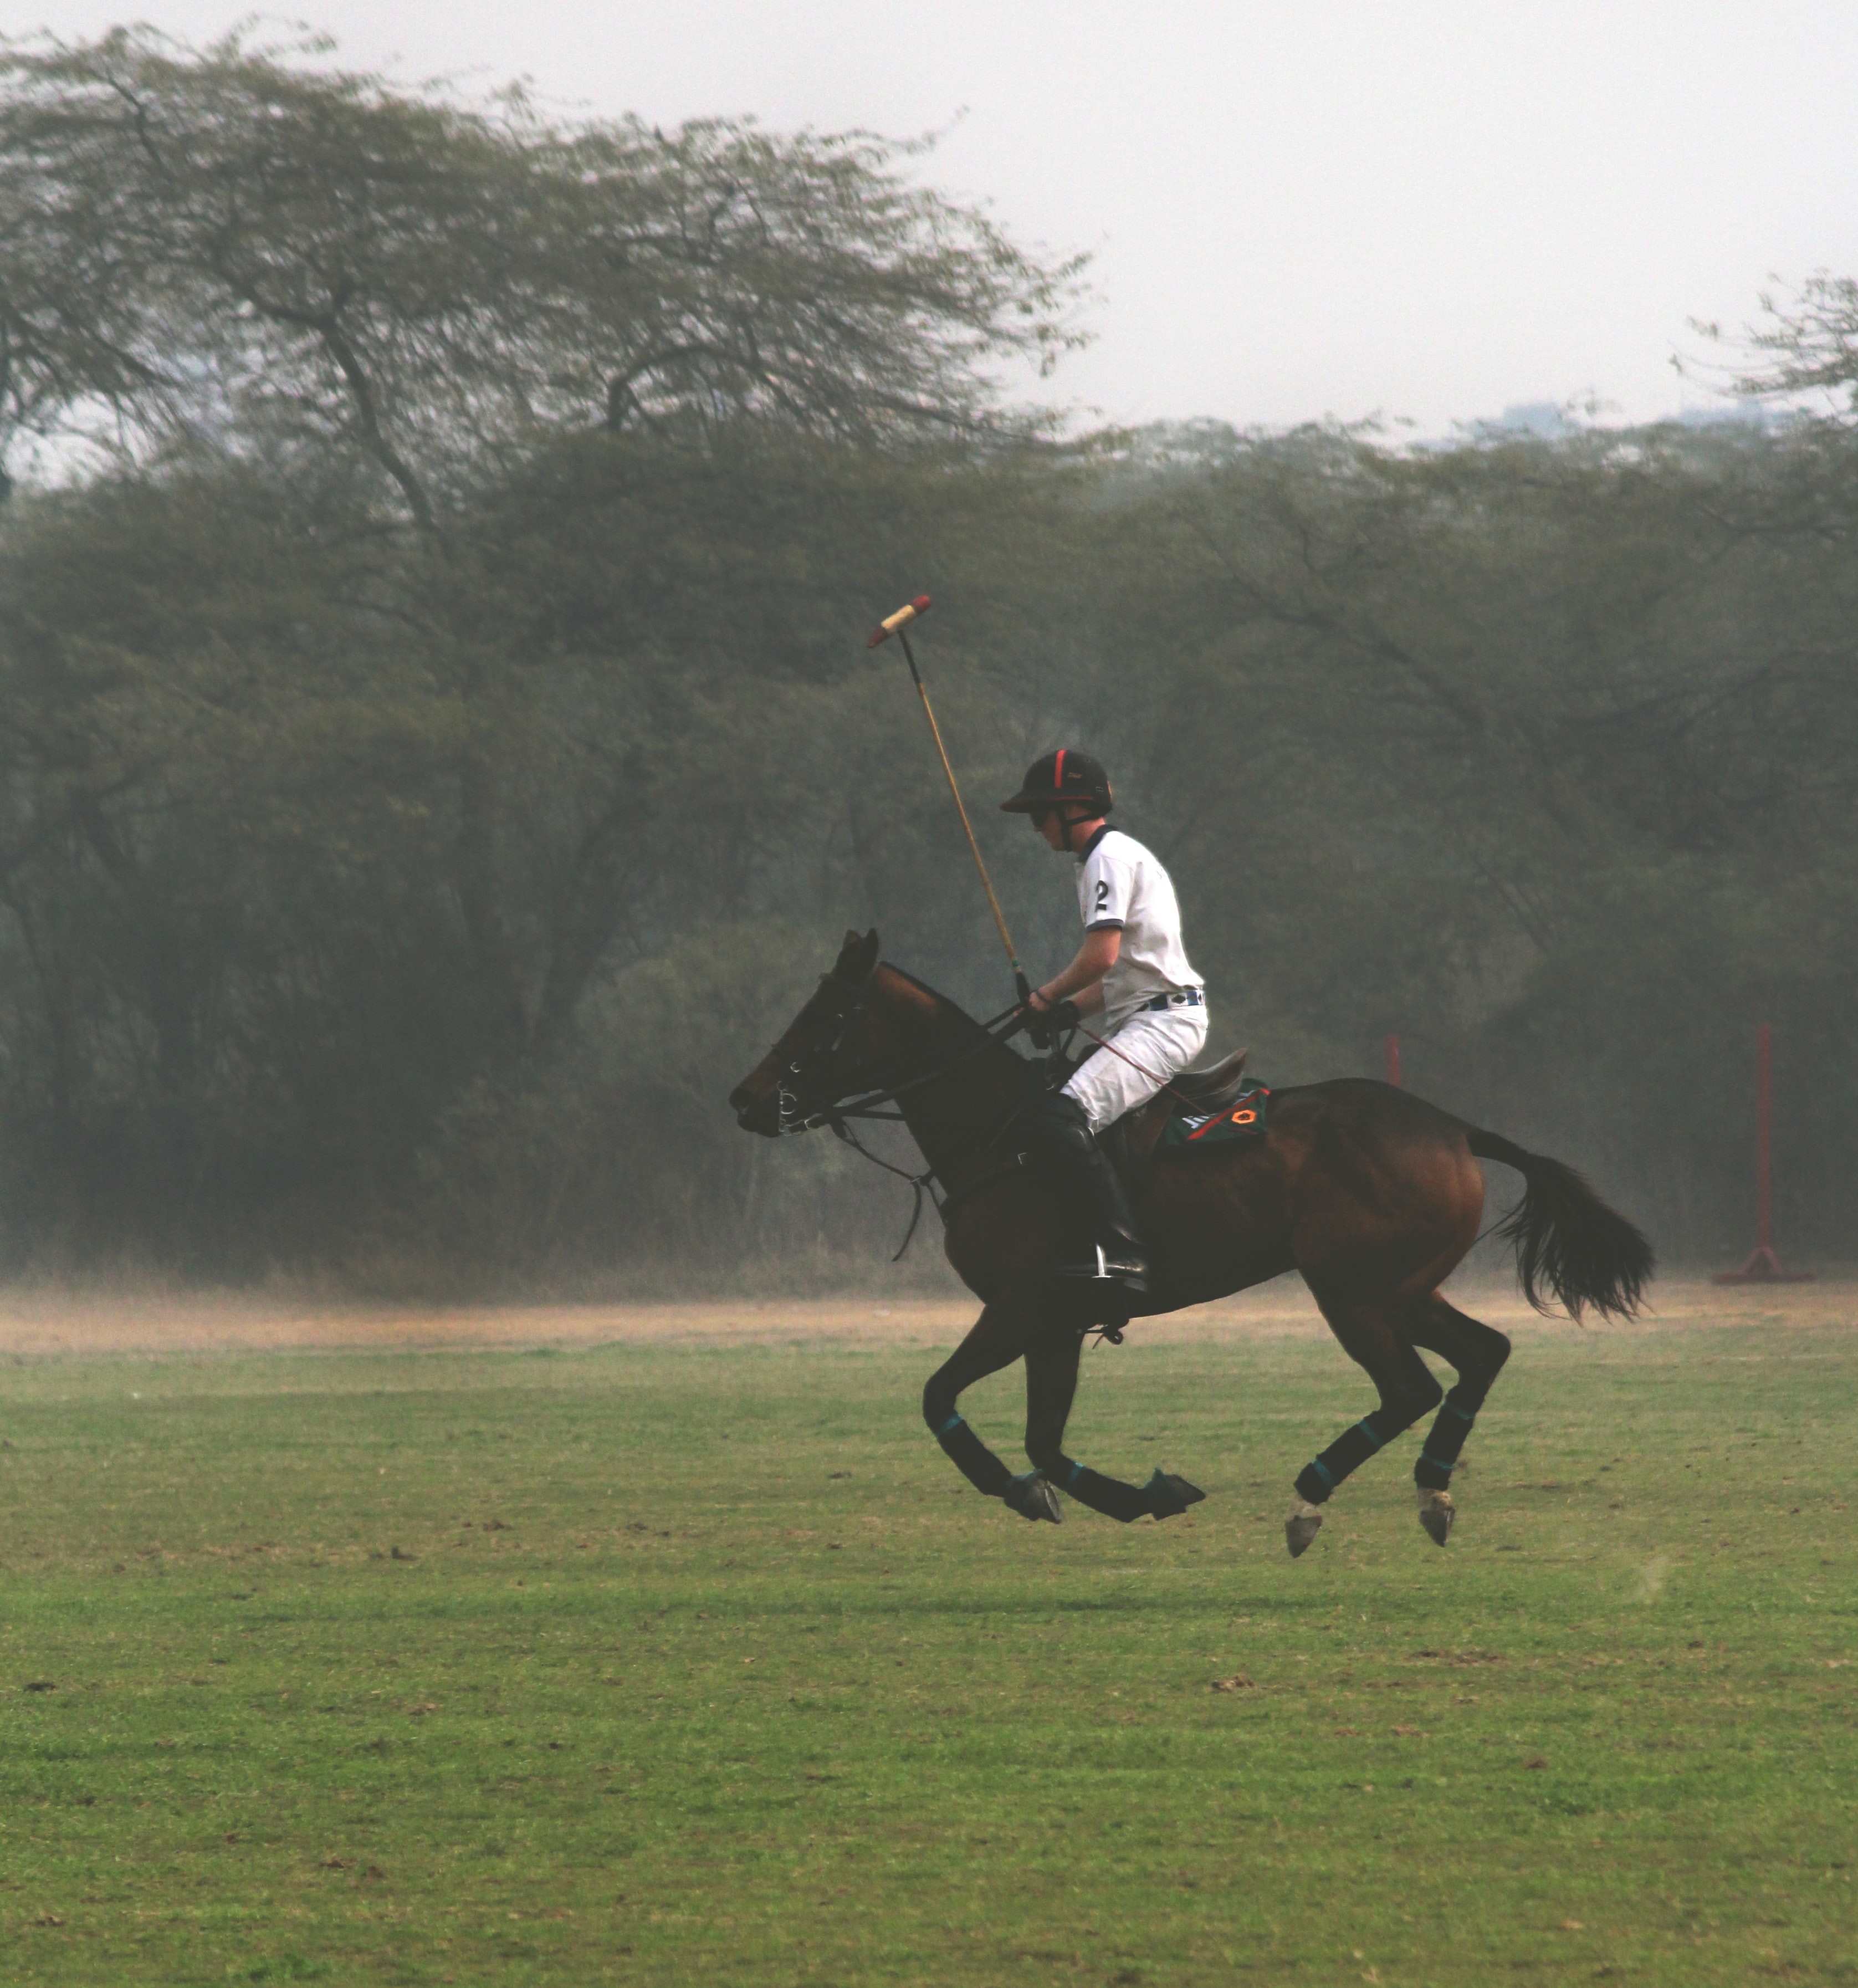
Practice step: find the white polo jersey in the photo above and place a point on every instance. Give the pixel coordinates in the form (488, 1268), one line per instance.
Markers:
(1121, 885)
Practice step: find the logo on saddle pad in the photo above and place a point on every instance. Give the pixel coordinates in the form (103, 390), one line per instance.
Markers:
(1242, 1119)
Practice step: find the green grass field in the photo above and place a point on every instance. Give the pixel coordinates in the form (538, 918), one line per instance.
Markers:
(671, 1665)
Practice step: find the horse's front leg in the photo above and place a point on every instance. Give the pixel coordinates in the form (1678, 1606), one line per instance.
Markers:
(998, 1337)
(1052, 1359)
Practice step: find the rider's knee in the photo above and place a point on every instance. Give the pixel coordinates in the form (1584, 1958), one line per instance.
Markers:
(1063, 1121)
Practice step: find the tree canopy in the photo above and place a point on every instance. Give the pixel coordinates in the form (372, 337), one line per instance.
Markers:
(436, 745)
(231, 243)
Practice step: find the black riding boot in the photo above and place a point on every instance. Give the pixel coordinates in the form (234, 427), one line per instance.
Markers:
(1066, 1138)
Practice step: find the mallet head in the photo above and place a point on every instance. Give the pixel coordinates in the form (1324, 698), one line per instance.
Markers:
(902, 618)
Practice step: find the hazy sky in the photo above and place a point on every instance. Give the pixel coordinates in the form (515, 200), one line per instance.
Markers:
(1424, 208)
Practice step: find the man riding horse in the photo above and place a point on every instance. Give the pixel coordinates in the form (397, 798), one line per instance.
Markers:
(1131, 969)
(1372, 1194)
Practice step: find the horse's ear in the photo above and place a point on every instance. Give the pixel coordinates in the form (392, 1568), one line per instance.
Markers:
(857, 958)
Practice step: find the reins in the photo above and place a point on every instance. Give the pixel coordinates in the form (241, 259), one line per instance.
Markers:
(870, 1105)
(920, 1184)
(866, 1107)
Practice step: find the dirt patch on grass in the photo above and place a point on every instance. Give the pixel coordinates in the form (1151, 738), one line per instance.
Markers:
(45, 1322)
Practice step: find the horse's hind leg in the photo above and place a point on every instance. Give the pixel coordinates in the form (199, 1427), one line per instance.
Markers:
(1051, 1362)
(1371, 1334)
(1477, 1352)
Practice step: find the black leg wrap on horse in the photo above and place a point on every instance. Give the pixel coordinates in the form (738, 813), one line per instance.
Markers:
(1110, 1496)
(1352, 1448)
(973, 1459)
(1439, 1456)
(1162, 1497)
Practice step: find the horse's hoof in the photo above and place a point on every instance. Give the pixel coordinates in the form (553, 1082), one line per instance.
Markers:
(1169, 1497)
(1031, 1496)
(1436, 1513)
(1305, 1521)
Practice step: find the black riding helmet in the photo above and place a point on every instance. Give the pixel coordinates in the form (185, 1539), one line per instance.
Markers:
(1064, 775)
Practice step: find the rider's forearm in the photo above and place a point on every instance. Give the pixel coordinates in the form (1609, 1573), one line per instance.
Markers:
(1095, 957)
(1089, 1000)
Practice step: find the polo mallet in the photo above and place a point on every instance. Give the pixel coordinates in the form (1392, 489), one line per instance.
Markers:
(896, 624)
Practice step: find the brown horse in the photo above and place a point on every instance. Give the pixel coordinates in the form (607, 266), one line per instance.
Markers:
(1371, 1194)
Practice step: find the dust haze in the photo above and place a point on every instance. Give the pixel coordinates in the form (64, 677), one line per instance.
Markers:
(440, 752)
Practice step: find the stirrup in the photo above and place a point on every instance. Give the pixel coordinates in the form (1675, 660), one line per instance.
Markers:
(1129, 1276)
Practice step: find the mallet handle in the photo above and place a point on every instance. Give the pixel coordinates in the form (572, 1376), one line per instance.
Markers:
(987, 883)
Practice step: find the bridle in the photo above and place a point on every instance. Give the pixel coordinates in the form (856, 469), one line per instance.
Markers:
(792, 1117)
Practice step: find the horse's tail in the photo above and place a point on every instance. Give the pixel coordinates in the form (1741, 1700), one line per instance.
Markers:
(1567, 1238)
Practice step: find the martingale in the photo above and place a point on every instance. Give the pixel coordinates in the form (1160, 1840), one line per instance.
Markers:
(1243, 1119)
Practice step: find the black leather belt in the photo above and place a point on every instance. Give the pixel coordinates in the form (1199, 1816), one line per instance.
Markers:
(1188, 997)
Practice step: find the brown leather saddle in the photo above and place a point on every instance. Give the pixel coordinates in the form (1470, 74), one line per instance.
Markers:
(1130, 1142)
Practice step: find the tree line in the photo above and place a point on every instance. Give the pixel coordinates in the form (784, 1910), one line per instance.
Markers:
(437, 748)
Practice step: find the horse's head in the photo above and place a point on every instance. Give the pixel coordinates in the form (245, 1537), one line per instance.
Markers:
(824, 1055)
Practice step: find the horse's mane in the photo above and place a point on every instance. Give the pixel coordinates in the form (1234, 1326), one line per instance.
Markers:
(941, 1000)
(946, 1009)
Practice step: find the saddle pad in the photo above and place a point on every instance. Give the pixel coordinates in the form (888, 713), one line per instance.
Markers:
(1243, 1119)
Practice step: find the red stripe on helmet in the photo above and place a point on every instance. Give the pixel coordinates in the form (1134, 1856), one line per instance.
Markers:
(1058, 772)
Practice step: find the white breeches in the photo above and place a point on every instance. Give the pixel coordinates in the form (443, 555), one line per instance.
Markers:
(1161, 1041)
